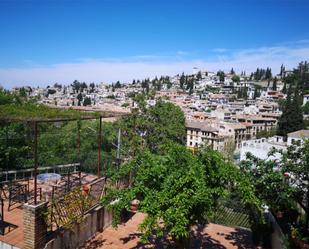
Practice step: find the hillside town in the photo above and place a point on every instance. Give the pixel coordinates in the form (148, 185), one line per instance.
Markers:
(230, 113)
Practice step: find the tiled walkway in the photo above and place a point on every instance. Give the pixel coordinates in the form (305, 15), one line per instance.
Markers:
(212, 236)
(14, 217)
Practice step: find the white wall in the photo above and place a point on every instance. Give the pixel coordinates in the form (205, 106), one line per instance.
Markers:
(260, 148)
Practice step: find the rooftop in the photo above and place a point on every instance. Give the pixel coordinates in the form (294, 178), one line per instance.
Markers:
(299, 134)
(212, 236)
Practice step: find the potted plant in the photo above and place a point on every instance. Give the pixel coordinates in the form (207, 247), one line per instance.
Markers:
(134, 205)
(86, 188)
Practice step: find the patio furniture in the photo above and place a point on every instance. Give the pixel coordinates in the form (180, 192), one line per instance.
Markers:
(48, 178)
(17, 193)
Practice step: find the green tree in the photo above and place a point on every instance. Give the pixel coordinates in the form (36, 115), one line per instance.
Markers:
(199, 75)
(221, 75)
(190, 85)
(79, 98)
(282, 70)
(177, 190)
(76, 85)
(295, 162)
(8, 98)
(118, 85)
(274, 88)
(257, 91)
(182, 81)
(292, 116)
(235, 78)
(269, 184)
(87, 101)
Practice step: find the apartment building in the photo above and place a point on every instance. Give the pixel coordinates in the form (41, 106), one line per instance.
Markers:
(202, 133)
(258, 122)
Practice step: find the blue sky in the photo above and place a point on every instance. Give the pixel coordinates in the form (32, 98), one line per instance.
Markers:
(42, 42)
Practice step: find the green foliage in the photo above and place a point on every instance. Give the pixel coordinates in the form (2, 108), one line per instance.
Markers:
(274, 87)
(235, 78)
(182, 81)
(152, 127)
(212, 89)
(262, 74)
(295, 161)
(266, 134)
(8, 98)
(177, 189)
(221, 75)
(270, 185)
(33, 112)
(299, 77)
(87, 101)
(74, 205)
(242, 93)
(305, 108)
(292, 116)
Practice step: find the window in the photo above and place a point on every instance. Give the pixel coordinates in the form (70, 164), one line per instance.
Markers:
(190, 143)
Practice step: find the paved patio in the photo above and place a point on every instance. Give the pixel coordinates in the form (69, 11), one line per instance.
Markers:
(13, 218)
(213, 236)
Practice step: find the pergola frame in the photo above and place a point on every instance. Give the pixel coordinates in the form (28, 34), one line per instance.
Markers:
(36, 121)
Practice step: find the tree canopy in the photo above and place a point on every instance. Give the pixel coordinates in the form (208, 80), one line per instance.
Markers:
(177, 189)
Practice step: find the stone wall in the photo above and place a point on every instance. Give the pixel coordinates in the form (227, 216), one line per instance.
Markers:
(95, 221)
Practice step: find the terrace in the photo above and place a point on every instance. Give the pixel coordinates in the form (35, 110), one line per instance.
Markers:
(39, 202)
(15, 193)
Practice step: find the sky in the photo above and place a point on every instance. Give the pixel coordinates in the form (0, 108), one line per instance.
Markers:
(43, 42)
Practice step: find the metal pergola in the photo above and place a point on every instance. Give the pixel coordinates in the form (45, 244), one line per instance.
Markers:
(37, 120)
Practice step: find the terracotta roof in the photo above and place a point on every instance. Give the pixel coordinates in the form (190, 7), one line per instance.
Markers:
(200, 126)
(299, 134)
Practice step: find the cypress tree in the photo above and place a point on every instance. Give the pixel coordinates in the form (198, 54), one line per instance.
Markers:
(284, 120)
(284, 88)
(182, 81)
(292, 115)
(297, 120)
(275, 84)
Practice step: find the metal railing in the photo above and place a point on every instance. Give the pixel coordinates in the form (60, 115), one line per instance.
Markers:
(13, 175)
(63, 209)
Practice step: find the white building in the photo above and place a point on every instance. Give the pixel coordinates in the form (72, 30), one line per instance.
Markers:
(305, 99)
(297, 136)
(261, 147)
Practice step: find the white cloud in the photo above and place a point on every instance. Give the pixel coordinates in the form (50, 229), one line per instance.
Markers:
(137, 67)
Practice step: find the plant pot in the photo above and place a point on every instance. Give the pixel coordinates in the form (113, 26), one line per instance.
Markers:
(86, 189)
(134, 205)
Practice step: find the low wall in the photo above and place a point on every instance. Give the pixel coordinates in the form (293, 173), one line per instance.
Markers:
(95, 221)
(4, 245)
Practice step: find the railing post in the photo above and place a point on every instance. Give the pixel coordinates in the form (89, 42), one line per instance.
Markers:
(99, 147)
(35, 160)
